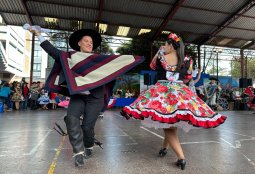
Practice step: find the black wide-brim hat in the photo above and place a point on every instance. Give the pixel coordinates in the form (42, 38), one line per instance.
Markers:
(213, 78)
(78, 35)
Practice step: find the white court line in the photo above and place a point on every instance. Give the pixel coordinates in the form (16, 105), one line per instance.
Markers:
(152, 132)
(252, 139)
(249, 160)
(15, 147)
(25, 131)
(38, 145)
(199, 142)
(131, 138)
(231, 145)
(234, 133)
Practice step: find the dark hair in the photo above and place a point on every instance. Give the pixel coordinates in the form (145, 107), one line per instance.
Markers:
(179, 47)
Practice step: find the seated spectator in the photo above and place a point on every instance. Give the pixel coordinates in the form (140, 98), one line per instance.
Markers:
(53, 100)
(34, 94)
(5, 95)
(25, 93)
(44, 98)
(17, 96)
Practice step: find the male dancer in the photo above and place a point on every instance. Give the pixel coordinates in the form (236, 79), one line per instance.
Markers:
(85, 75)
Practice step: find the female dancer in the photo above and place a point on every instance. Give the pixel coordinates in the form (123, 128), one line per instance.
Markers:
(170, 103)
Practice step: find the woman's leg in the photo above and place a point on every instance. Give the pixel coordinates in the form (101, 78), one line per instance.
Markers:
(174, 142)
(163, 150)
(17, 105)
(165, 142)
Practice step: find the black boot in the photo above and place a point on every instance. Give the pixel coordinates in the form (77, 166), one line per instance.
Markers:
(181, 163)
(75, 137)
(88, 152)
(88, 140)
(162, 152)
(79, 160)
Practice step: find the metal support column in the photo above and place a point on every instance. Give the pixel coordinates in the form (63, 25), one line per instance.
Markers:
(32, 59)
(198, 57)
(242, 63)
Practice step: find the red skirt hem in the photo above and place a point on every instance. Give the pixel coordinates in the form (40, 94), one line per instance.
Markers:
(126, 112)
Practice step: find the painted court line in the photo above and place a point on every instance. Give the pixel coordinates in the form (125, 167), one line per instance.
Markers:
(152, 132)
(54, 161)
(231, 145)
(43, 130)
(199, 142)
(234, 133)
(38, 145)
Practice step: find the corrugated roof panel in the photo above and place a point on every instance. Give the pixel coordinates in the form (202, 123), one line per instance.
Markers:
(224, 6)
(128, 20)
(67, 24)
(63, 24)
(14, 19)
(167, 1)
(239, 43)
(252, 47)
(133, 32)
(62, 11)
(189, 38)
(111, 30)
(200, 16)
(11, 6)
(82, 3)
(235, 33)
(250, 12)
(138, 7)
(244, 22)
(189, 27)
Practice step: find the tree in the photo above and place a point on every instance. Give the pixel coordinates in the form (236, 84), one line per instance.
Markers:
(140, 45)
(104, 48)
(236, 68)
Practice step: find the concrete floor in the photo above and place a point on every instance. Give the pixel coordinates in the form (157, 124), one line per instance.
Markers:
(29, 145)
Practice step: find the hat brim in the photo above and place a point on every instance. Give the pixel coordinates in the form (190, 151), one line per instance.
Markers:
(213, 78)
(78, 35)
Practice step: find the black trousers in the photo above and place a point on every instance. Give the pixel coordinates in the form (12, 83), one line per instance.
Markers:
(33, 104)
(81, 136)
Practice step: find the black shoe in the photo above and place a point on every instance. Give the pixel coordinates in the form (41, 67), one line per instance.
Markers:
(79, 160)
(124, 114)
(88, 153)
(162, 152)
(181, 163)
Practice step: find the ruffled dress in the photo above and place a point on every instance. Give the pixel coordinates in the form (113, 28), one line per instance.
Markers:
(170, 103)
(44, 99)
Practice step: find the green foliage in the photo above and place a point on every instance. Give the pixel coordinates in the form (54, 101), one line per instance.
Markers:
(236, 68)
(141, 45)
(104, 48)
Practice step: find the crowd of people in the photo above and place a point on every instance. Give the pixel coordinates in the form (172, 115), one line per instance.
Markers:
(21, 96)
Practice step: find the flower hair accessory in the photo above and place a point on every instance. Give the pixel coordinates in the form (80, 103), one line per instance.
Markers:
(174, 37)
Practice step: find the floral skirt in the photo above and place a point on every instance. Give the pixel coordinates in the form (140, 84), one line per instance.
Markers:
(172, 102)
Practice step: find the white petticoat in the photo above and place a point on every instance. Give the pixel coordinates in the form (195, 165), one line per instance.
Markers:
(185, 126)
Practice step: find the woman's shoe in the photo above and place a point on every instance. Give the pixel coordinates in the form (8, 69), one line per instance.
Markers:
(162, 152)
(182, 163)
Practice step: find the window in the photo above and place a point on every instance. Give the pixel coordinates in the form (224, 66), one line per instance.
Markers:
(37, 67)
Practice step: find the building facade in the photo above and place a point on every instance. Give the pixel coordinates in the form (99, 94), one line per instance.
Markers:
(15, 55)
